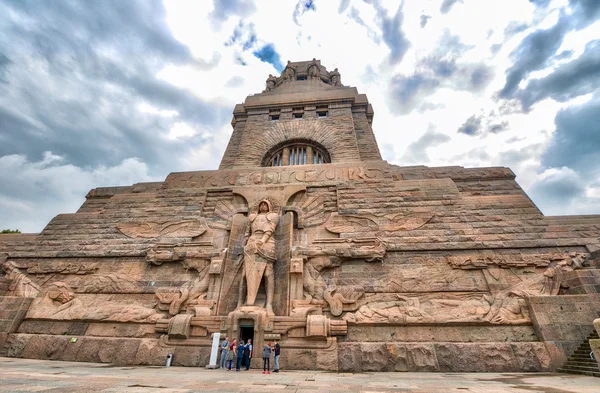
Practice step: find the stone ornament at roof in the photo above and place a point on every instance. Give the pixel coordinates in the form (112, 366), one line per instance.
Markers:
(303, 71)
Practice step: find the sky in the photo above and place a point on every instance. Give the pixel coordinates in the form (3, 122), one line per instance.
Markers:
(111, 92)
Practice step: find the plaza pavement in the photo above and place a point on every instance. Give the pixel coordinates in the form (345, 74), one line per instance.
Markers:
(27, 375)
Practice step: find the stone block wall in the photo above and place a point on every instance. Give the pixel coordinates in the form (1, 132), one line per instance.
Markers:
(12, 312)
(564, 321)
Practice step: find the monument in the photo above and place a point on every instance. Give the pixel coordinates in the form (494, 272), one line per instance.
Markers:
(306, 236)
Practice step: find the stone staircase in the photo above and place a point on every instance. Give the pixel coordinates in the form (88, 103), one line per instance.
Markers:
(580, 361)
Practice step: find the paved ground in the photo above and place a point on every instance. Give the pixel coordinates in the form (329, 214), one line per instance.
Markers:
(26, 375)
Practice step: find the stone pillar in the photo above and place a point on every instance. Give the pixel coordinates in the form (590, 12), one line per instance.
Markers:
(285, 157)
(296, 279)
(309, 155)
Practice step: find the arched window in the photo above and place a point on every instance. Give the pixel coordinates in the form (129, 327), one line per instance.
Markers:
(296, 153)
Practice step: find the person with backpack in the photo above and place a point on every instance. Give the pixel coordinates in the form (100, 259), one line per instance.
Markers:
(267, 359)
(240, 355)
(231, 355)
(276, 352)
(248, 354)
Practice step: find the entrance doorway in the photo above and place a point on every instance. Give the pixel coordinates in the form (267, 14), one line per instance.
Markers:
(247, 332)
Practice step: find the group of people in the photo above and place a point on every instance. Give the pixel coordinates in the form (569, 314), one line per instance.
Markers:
(241, 354)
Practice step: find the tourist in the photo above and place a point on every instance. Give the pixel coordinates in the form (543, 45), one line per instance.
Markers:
(230, 357)
(267, 359)
(224, 351)
(240, 354)
(276, 352)
(248, 354)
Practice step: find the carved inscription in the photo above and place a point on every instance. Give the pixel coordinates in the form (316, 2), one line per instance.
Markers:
(220, 178)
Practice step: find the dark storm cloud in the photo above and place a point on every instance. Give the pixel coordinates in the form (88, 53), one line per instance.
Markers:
(557, 190)
(223, 9)
(533, 54)
(78, 73)
(578, 77)
(576, 141)
(392, 32)
(538, 49)
(447, 5)
(268, 54)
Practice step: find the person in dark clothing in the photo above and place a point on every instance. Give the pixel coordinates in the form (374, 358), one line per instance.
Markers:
(276, 352)
(240, 355)
(267, 359)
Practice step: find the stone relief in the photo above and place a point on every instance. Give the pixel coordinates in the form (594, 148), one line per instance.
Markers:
(310, 210)
(224, 211)
(151, 230)
(270, 84)
(192, 296)
(288, 74)
(59, 302)
(313, 70)
(259, 255)
(371, 223)
(402, 311)
(19, 283)
(272, 177)
(63, 268)
(105, 283)
(335, 78)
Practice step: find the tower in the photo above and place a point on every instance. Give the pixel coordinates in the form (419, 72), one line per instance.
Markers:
(306, 236)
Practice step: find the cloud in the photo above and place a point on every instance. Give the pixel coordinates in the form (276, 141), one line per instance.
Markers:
(79, 75)
(442, 68)
(302, 7)
(556, 187)
(393, 35)
(224, 9)
(472, 126)
(408, 92)
(447, 5)
(532, 54)
(576, 142)
(53, 186)
(416, 152)
(268, 54)
(540, 3)
(578, 77)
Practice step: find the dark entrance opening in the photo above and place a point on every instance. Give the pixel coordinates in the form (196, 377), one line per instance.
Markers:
(247, 331)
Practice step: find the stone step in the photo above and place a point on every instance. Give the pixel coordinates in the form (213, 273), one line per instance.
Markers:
(590, 373)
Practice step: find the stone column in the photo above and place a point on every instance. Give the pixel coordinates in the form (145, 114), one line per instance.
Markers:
(309, 155)
(285, 157)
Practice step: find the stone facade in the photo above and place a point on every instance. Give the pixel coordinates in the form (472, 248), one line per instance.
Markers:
(350, 263)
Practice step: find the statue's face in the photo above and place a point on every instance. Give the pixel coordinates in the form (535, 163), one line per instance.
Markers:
(263, 207)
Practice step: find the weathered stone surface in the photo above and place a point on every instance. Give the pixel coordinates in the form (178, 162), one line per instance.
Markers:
(306, 236)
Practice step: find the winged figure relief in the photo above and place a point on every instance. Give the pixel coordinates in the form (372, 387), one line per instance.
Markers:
(311, 209)
(148, 230)
(371, 223)
(224, 211)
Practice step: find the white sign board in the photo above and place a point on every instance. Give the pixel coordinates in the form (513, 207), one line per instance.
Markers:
(214, 350)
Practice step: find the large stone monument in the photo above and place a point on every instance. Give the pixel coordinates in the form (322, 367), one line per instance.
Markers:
(306, 236)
